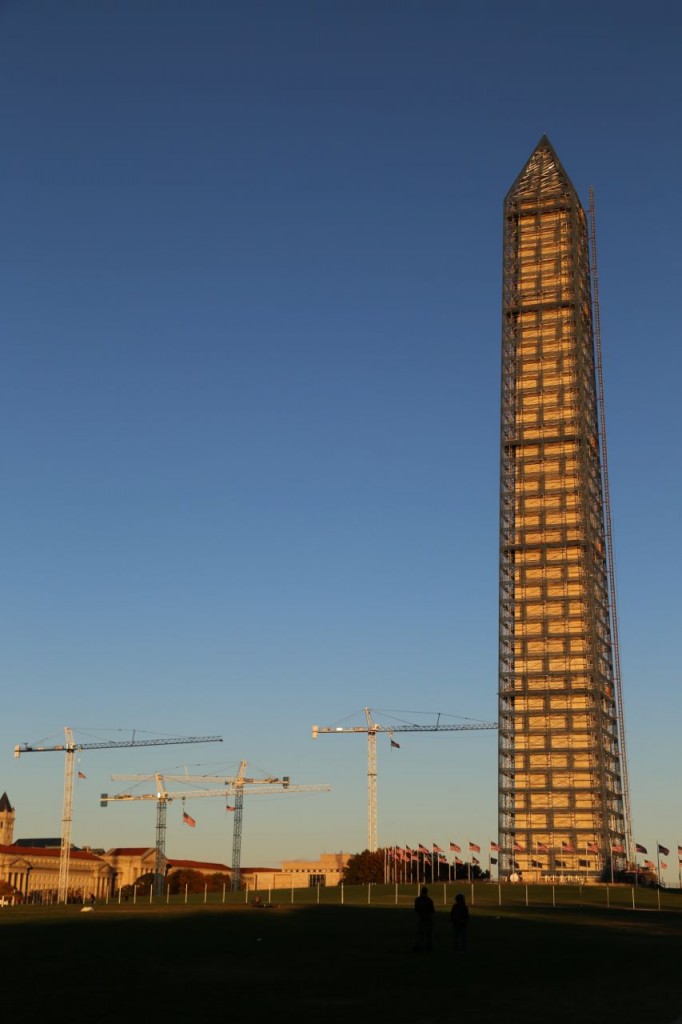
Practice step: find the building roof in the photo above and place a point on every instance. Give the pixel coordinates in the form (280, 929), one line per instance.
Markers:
(197, 865)
(50, 843)
(42, 851)
(129, 851)
(5, 804)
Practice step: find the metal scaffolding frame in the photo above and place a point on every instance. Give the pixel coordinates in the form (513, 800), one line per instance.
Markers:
(562, 805)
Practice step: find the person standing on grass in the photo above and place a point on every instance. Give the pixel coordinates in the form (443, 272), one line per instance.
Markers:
(424, 909)
(459, 919)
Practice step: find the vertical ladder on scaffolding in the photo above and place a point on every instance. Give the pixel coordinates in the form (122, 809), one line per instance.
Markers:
(610, 566)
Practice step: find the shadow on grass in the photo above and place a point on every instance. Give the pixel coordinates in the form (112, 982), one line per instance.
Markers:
(347, 964)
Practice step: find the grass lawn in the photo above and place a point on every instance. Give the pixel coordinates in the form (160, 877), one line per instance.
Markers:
(353, 964)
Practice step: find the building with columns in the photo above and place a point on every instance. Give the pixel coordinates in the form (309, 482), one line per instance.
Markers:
(35, 869)
(31, 866)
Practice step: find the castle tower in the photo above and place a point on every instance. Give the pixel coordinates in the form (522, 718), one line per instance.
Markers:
(6, 821)
(562, 809)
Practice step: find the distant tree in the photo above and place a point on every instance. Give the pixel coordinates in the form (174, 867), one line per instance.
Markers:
(364, 867)
(143, 884)
(634, 874)
(6, 889)
(194, 880)
(216, 882)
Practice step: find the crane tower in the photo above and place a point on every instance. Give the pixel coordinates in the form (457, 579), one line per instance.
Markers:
(69, 749)
(235, 787)
(371, 729)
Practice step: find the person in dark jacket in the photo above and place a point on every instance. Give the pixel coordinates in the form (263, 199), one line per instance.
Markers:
(424, 909)
(459, 919)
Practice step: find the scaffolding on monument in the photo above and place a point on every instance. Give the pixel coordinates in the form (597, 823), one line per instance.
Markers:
(563, 806)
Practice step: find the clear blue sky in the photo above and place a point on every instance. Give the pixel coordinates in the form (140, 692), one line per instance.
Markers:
(250, 319)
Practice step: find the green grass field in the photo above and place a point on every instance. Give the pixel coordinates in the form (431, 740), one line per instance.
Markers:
(350, 963)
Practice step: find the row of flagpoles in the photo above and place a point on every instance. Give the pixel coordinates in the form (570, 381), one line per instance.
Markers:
(400, 861)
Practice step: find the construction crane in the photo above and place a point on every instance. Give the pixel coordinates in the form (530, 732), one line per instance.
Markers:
(235, 787)
(372, 728)
(70, 747)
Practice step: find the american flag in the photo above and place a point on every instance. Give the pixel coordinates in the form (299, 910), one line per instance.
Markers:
(188, 820)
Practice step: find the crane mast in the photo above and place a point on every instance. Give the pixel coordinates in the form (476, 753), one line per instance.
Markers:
(237, 828)
(67, 817)
(70, 747)
(372, 729)
(160, 855)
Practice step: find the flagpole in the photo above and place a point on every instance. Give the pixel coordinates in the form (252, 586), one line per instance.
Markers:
(658, 860)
